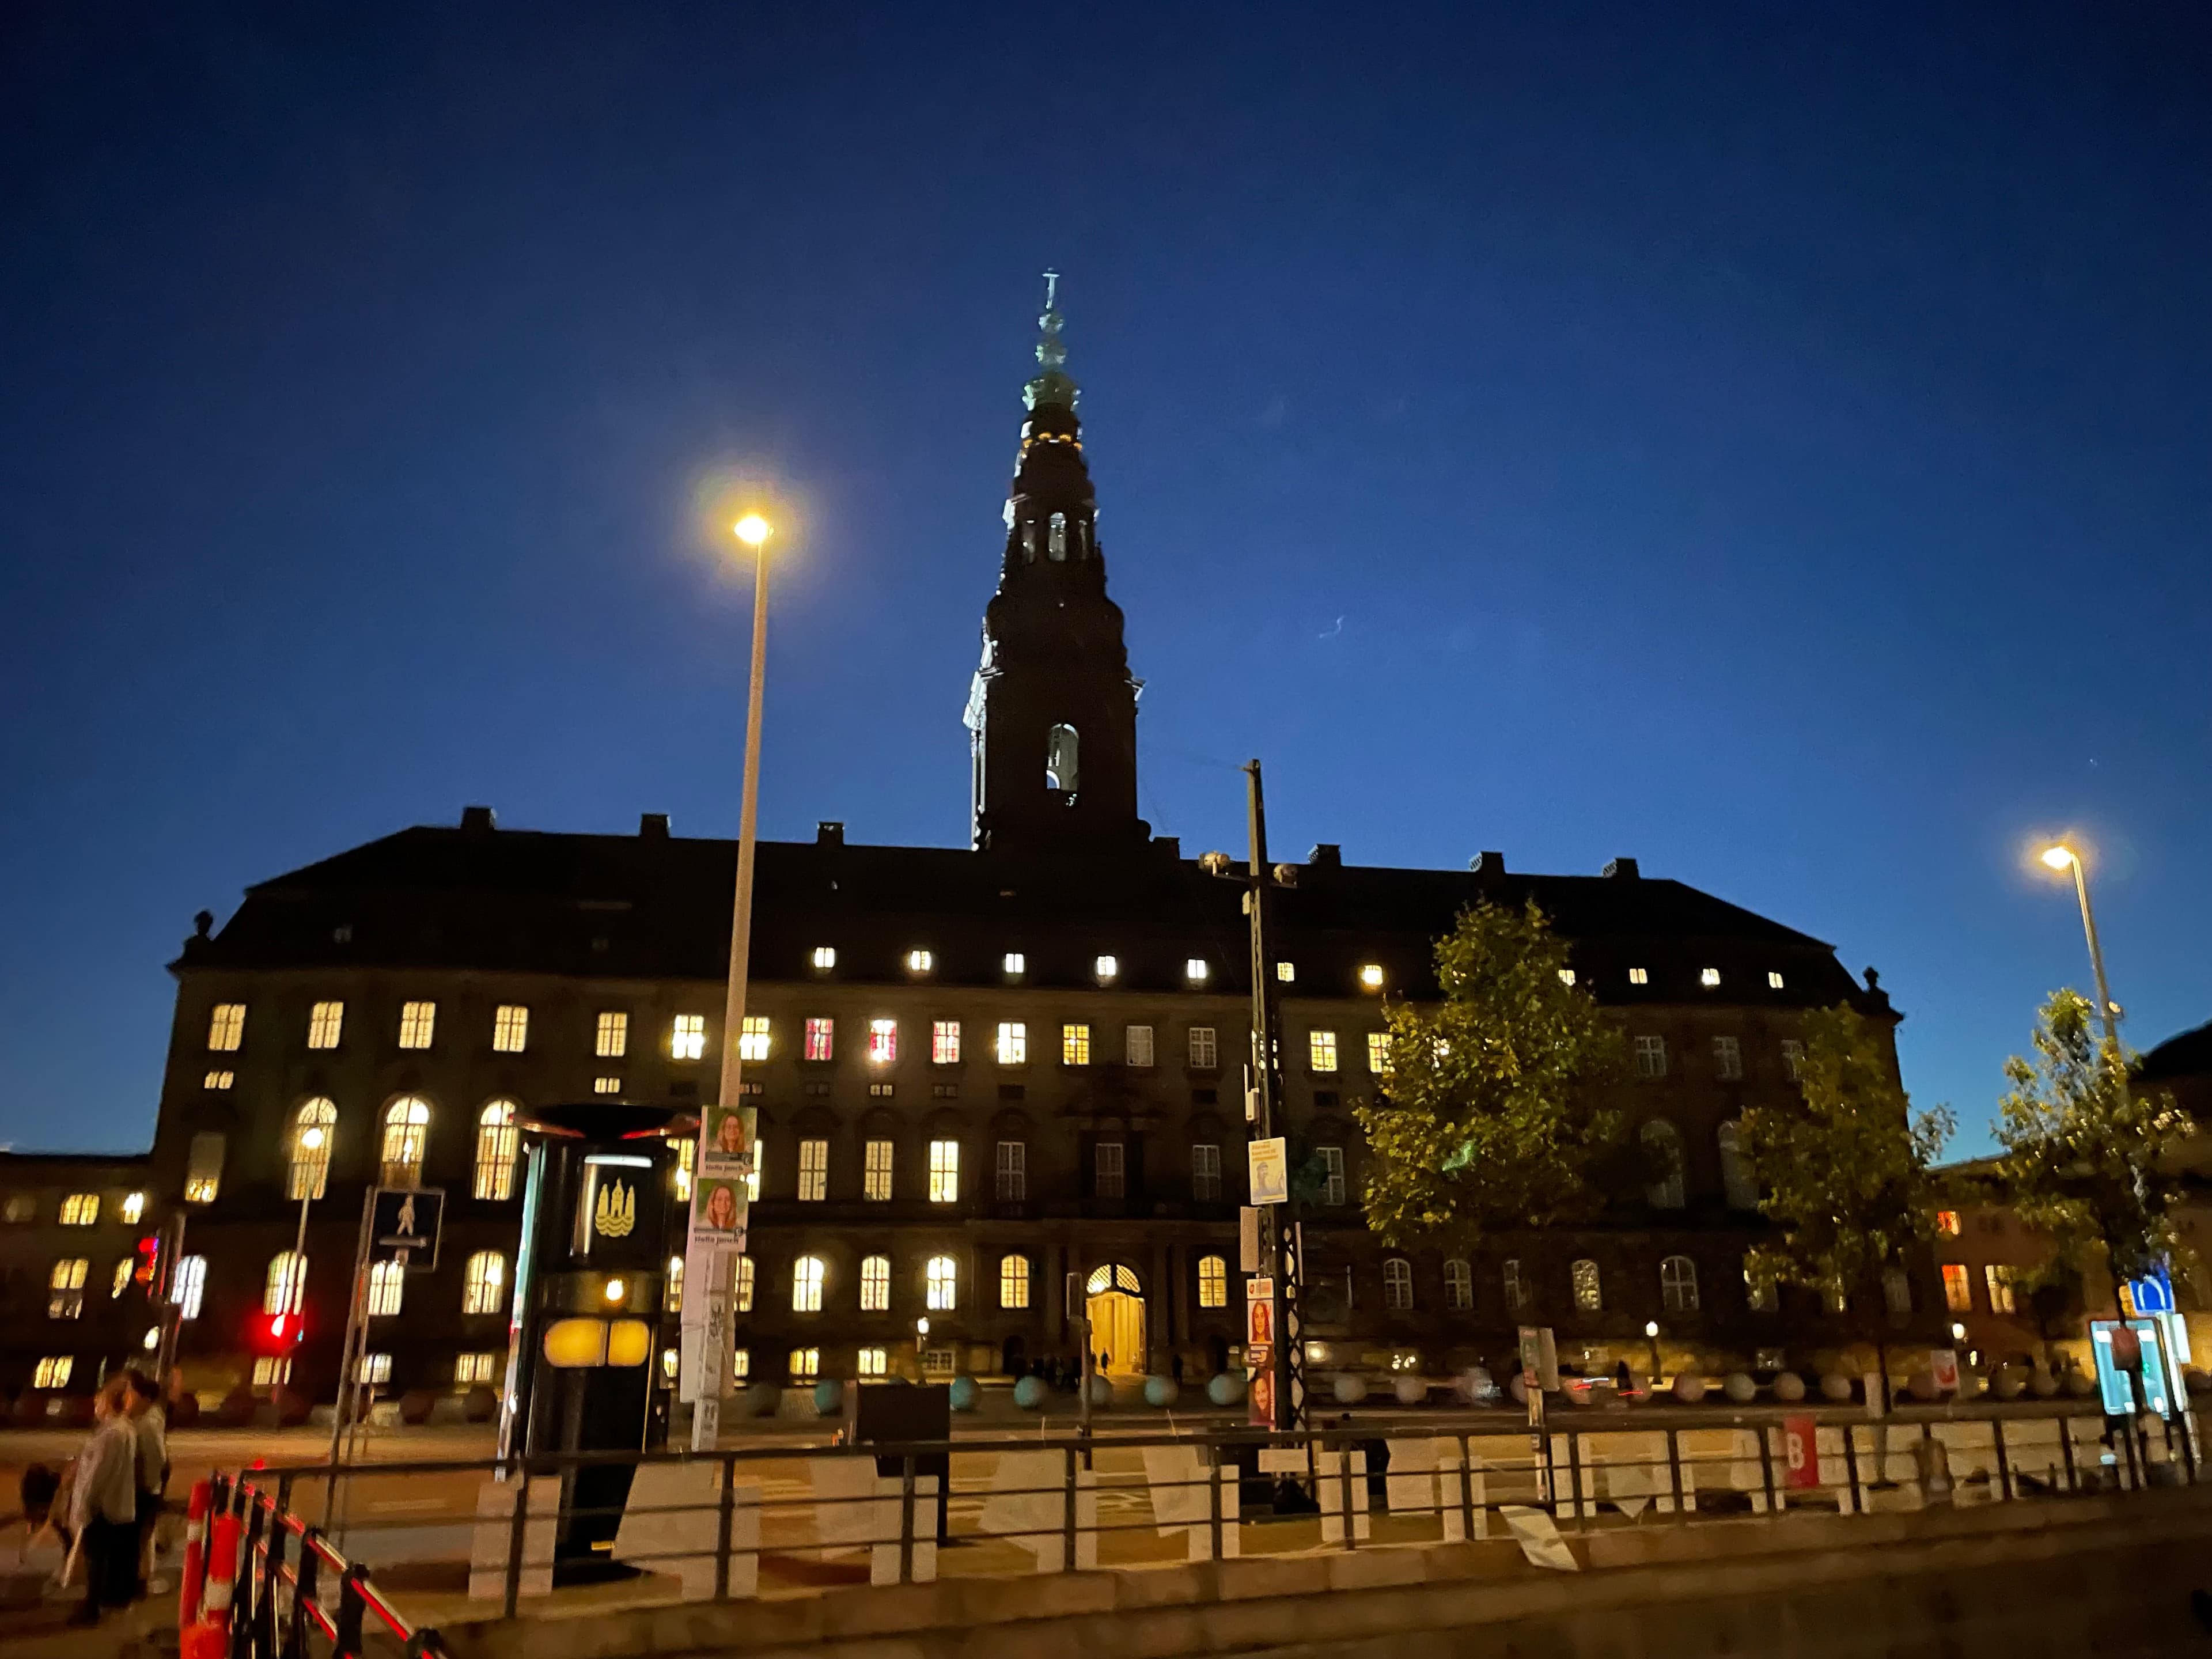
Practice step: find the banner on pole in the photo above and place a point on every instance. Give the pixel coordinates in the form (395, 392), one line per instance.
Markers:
(1269, 1163)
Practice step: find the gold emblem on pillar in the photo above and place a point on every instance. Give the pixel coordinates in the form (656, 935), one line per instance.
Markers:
(615, 1214)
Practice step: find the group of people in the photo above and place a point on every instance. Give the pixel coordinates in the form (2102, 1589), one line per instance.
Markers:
(105, 1503)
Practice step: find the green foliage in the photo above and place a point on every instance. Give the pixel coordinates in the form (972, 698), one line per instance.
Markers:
(1847, 1175)
(1489, 1119)
(2087, 1158)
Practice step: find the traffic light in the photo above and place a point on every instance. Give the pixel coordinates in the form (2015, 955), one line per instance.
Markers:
(149, 1259)
(276, 1334)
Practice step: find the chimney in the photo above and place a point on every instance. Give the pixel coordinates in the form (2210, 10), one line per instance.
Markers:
(1327, 852)
(1169, 847)
(1487, 864)
(828, 834)
(1624, 869)
(479, 820)
(652, 826)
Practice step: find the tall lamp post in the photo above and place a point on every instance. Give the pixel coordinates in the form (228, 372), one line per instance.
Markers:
(2060, 856)
(707, 1264)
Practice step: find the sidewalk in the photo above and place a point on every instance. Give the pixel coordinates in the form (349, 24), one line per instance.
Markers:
(143, 1631)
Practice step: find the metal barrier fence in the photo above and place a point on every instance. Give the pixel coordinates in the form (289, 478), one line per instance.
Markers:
(816, 1513)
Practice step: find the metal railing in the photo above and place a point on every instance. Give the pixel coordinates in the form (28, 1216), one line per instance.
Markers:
(722, 1522)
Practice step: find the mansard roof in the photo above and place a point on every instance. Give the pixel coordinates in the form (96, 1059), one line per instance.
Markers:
(655, 905)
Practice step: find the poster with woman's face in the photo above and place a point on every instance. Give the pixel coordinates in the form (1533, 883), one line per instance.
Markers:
(730, 1135)
(719, 1208)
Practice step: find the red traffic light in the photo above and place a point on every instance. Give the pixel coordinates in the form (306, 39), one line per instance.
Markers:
(149, 1259)
(276, 1333)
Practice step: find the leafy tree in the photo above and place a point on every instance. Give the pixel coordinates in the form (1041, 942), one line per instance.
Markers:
(2089, 1160)
(1489, 1119)
(1848, 1175)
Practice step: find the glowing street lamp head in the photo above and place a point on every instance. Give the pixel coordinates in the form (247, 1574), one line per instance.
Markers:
(752, 530)
(2058, 856)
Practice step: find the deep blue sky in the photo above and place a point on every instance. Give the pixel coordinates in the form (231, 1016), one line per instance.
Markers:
(1768, 444)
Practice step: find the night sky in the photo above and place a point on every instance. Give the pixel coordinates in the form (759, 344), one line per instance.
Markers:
(1770, 445)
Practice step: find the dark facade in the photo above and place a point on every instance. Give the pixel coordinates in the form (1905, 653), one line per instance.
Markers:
(982, 1071)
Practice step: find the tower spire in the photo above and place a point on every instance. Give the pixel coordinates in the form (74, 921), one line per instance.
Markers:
(1052, 386)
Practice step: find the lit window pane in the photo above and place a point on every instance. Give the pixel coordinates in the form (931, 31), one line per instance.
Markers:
(877, 1174)
(79, 1209)
(687, 1037)
(611, 1041)
(1075, 1045)
(1212, 1282)
(406, 1133)
(813, 1171)
(806, 1275)
(1588, 1297)
(387, 1287)
(875, 1283)
(883, 1041)
(1320, 1050)
(753, 1038)
(326, 1022)
(1013, 1043)
(1013, 1281)
(825, 958)
(483, 1284)
(1106, 968)
(189, 1285)
(821, 1039)
(284, 1289)
(510, 1029)
(1015, 964)
(942, 1279)
(944, 1172)
(314, 1128)
(1378, 1053)
(418, 1024)
(945, 1042)
(1195, 970)
(226, 1028)
(498, 1143)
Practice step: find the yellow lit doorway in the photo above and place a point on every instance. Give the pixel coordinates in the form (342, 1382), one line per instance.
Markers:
(1114, 1305)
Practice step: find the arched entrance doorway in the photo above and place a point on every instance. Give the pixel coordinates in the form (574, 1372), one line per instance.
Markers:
(1115, 1305)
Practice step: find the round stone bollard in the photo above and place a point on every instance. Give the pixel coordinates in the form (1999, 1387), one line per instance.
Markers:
(829, 1397)
(1410, 1390)
(1517, 1386)
(1029, 1394)
(1921, 1385)
(2042, 1384)
(762, 1398)
(1789, 1388)
(1162, 1391)
(1836, 1388)
(2010, 1384)
(1740, 1389)
(1689, 1388)
(1224, 1390)
(2081, 1384)
(964, 1393)
(1102, 1390)
(1474, 1386)
(1349, 1390)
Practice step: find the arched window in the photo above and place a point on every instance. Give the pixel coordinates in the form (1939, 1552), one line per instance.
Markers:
(1063, 769)
(286, 1289)
(1212, 1282)
(314, 1126)
(1678, 1285)
(1459, 1286)
(942, 1279)
(1013, 1281)
(806, 1276)
(406, 1133)
(497, 1141)
(1662, 1147)
(189, 1285)
(875, 1283)
(387, 1288)
(1735, 1169)
(1398, 1285)
(1517, 1287)
(1056, 544)
(483, 1284)
(1590, 1297)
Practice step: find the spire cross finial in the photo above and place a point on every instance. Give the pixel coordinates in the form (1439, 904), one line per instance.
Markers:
(1051, 288)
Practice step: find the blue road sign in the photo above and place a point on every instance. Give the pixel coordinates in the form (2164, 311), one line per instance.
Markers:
(2152, 1294)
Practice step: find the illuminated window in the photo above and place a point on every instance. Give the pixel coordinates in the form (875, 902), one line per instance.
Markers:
(375, 1367)
(1958, 1287)
(1760, 1292)
(1378, 1053)
(406, 1133)
(874, 1362)
(510, 1029)
(1678, 1285)
(1639, 977)
(1515, 1286)
(1727, 1059)
(121, 1279)
(204, 1168)
(1106, 968)
(1398, 1285)
(612, 1040)
(883, 1041)
(876, 1171)
(1737, 1181)
(1774, 980)
(65, 1288)
(875, 1283)
(1998, 1279)
(805, 1364)
(1107, 1170)
(284, 1287)
(741, 1297)
(1015, 964)
(326, 1022)
(944, 1172)
(1370, 976)
(1320, 1050)
(1013, 1042)
(387, 1289)
(1590, 1297)
(1205, 1172)
(1011, 1171)
(806, 1276)
(53, 1371)
(1212, 1282)
(20, 1207)
(1793, 1059)
(920, 961)
(760, 1165)
(813, 1171)
(1331, 1182)
(314, 1128)
(1666, 1189)
(1286, 972)
(226, 1028)
(483, 1284)
(189, 1285)
(606, 1085)
(674, 1283)
(1200, 1049)
(1709, 977)
(1137, 1045)
(79, 1209)
(220, 1080)
(825, 958)
(821, 1039)
(1075, 1045)
(1566, 976)
(687, 1037)
(942, 1281)
(1946, 1223)
(945, 1042)
(1014, 1282)
(687, 1160)
(1195, 970)
(498, 1143)
(741, 1365)
(1459, 1286)
(418, 1023)
(473, 1369)
(1651, 1056)
(132, 1207)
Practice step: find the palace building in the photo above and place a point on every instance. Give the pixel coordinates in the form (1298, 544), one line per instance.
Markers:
(984, 1074)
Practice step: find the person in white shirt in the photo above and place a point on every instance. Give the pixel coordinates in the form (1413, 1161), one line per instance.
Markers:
(104, 1506)
(149, 1430)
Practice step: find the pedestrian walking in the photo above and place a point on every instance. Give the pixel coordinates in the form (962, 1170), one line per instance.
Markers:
(104, 1506)
(149, 1426)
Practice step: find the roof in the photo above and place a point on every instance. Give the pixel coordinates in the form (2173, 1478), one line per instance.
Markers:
(2189, 1055)
(657, 905)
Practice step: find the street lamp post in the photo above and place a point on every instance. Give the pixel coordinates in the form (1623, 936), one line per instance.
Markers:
(1651, 1335)
(708, 1265)
(2060, 856)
